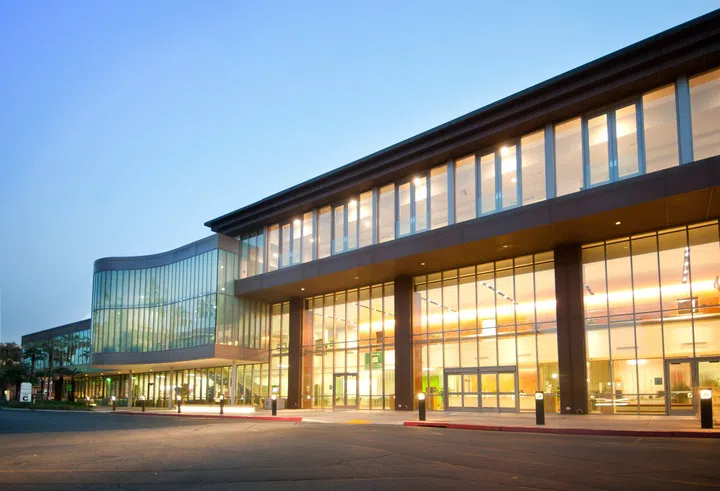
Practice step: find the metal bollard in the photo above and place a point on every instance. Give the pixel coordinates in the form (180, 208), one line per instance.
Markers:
(113, 402)
(539, 408)
(421, 406)
(706, 409)
(222, 404)
(273, 404)
(179, 403)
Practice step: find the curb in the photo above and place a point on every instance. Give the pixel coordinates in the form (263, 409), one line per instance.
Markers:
(569, 431)
(216, 416)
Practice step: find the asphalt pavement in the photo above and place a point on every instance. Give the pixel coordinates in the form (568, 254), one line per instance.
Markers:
(98, 451)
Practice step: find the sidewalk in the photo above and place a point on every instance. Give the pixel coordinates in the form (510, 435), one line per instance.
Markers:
(615, 425)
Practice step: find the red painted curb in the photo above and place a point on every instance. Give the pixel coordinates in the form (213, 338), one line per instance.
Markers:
(568, 431)
(221, 416)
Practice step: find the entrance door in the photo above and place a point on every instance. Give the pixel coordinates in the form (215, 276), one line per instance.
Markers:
(345, 391)
(483, 389)
(679, 376)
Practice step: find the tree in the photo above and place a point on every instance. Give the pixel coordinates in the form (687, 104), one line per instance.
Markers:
(13, 371)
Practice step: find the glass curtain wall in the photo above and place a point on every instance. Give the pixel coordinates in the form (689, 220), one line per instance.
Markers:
(705, 111)
(648, 298)
(498, 314)
(349, 348)
(279, 342)
(155, 309)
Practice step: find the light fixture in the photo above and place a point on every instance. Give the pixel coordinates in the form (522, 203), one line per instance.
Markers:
(618, 222)
(504, 151)
(554, 375)
(296, 221)
(705, 394)
(505, 246)
(357, 277)
(421, 396)
(302, 289)
(352, 202)
(422, 264)
(418, 180)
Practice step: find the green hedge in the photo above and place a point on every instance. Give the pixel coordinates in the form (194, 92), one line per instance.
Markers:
(59, 405)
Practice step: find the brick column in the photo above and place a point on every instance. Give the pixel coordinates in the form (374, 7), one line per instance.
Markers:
(571, 329)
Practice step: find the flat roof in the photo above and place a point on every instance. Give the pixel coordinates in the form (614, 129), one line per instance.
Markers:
(692, 45)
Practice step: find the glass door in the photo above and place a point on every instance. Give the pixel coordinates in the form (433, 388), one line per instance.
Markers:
(679, 387)
(462, 391)
(709, 378)
(498, 391)
(482, 389)
(611, 145)
(345, 391)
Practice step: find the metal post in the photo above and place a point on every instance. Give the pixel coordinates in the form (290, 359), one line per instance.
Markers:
(222, 404)
(273, 402)
(421, 406)
(539, 408)
(706, 409)
(113, 402)
(179, 403)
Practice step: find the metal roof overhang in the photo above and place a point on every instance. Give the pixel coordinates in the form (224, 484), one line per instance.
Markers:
(688, 48)
(676, 196)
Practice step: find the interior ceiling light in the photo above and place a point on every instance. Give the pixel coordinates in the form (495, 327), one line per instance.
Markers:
(618, 223)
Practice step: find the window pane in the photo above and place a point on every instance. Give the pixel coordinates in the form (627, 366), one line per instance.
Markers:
(352, 224)
(465, 189)
(386, 212)
(404, 209)
(661, 143)
(366, 219)
(324, 232)
(308, 242)
(598, 149)
(626, 134)
(296, 255)
(533, 167)
(339, 229)
(487, 183)
(273, 247)
(568, 157)
(508, 170)
(285, 249)
(705, 111)
(438, 197)
(420, 188)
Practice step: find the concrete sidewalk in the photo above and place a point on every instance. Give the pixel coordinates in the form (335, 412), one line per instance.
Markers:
(619, 425)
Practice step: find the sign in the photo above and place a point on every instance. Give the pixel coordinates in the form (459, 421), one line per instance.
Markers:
(374, 360)
(26, 392)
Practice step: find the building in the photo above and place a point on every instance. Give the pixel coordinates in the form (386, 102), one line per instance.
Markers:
(564, 239)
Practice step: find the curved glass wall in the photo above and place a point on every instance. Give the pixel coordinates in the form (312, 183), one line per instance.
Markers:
(632, 138)
(652, 311)
(349, 349)
(154, 309)
(485, 337)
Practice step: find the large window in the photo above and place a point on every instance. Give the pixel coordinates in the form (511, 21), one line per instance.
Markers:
(660, 124)
(705, 111)
(386, 214)
(533, 167)
(465, 189)
(348, 349)
(648, 298)
(492, 315)
(438, 197)
(324, 232)
(568, 157)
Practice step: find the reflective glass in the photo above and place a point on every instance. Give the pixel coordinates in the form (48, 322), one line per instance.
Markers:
(626, 141)
(508, 170)
(705, 112)
(660, 124)
(273, 247)
(465, 189)
(386, 213)
(568, 157)
(308, 239)
(352, 224)
(420, 194)
(533, 167)
(324, 232)
(403, 209)
(599, 152)
(487, 184)
(285, 252)
(366, 219)
(438, 197)
(296, 253)
(339, 229)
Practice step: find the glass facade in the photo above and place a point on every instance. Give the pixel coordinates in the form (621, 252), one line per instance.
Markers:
(155, 309)
(348, 354)
(485, 336)
(650, 300)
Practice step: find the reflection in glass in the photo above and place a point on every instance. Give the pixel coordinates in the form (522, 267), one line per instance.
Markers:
(487, 184)
(533, 167)
(660, 124)
(386, 213)
(599, 150)
(508, 169)
(465, 189)
(626, 141)
(705, 112)
(568, 157)
(438, 197)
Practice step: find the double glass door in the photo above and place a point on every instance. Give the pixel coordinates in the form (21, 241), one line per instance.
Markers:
(493, 389)
(685, 378)
(345, 391)
(612, 145)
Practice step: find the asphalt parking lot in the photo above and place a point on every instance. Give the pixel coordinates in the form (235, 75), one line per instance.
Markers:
(58, 450)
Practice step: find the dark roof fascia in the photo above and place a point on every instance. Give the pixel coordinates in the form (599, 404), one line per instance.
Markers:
(656, 51)
(56, 332)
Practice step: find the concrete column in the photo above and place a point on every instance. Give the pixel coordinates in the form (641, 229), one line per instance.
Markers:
(294, 400)
(571, 330)
(171, 392)
(233, 383)
(404, 393)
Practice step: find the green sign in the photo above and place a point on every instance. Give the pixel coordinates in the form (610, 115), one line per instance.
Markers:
(374, 360)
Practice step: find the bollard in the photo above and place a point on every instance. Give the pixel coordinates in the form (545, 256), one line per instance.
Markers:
(539, 408)
(706, 409)
(222, 403)
(113, 402)
(421, 406)
(273, 404)
(142, 400)
(179, 401)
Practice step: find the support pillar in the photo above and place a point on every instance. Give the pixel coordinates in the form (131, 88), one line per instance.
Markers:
(294, 400)
(571, 330)
(233, 383)
(404, 393)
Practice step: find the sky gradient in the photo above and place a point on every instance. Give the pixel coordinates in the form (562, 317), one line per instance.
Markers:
(126, 125)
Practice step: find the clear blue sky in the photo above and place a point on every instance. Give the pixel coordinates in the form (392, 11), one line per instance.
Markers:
(126, 125)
